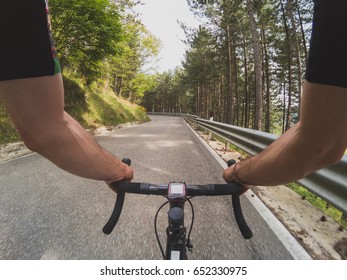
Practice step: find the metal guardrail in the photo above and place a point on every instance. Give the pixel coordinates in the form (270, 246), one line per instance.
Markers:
(329, 183)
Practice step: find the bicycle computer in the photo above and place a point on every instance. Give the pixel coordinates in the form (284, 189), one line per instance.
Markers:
(177, 191)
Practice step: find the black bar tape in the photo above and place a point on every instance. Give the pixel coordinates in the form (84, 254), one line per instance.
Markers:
(115, 214)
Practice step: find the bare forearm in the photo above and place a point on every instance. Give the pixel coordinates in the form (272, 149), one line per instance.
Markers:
(318, 140)
(36, 106)
(75, 151)
(299, 152)
(288, 159)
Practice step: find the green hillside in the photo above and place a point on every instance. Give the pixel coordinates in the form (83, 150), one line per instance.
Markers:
(93, 106)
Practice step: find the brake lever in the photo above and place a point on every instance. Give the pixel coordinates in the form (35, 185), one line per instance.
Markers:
(112, 221)
(240, 220)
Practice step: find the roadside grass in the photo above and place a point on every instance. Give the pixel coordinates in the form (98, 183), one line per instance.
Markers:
(92, 107)
(107, 109)
(8, 133)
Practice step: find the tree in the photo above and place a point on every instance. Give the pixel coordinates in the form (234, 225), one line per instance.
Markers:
(85, 32)
(138, 48)
(245, 64)
(257, 66)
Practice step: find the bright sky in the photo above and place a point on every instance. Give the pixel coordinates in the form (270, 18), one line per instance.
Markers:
(160, 17)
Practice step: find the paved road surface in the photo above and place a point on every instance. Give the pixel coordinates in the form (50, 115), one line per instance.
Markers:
(46, 213)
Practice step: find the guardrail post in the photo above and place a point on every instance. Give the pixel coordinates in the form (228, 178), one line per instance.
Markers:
(226, 145)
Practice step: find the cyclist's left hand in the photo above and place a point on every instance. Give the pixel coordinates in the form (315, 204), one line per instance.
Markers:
(128, 176)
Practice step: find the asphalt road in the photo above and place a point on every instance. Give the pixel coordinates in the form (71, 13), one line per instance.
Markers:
(46, 213)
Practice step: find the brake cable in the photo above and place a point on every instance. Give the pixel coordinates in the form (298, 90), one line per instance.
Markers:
(189, 245)
(156, 230)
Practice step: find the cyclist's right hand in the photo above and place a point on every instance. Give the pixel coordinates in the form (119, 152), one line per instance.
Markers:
(230, 176)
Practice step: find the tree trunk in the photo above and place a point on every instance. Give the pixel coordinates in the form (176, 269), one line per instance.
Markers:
(257, 67)
(297, 51)
(236, 102)
(229, 93)
(246, 101)
(289, 65)
(268, 85)
(302, 30)
(284, 108)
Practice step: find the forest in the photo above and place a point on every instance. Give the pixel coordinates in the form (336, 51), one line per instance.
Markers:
(103, 40)
(244, 65)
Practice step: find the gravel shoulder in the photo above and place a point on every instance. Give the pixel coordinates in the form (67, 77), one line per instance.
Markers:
(12, 151)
